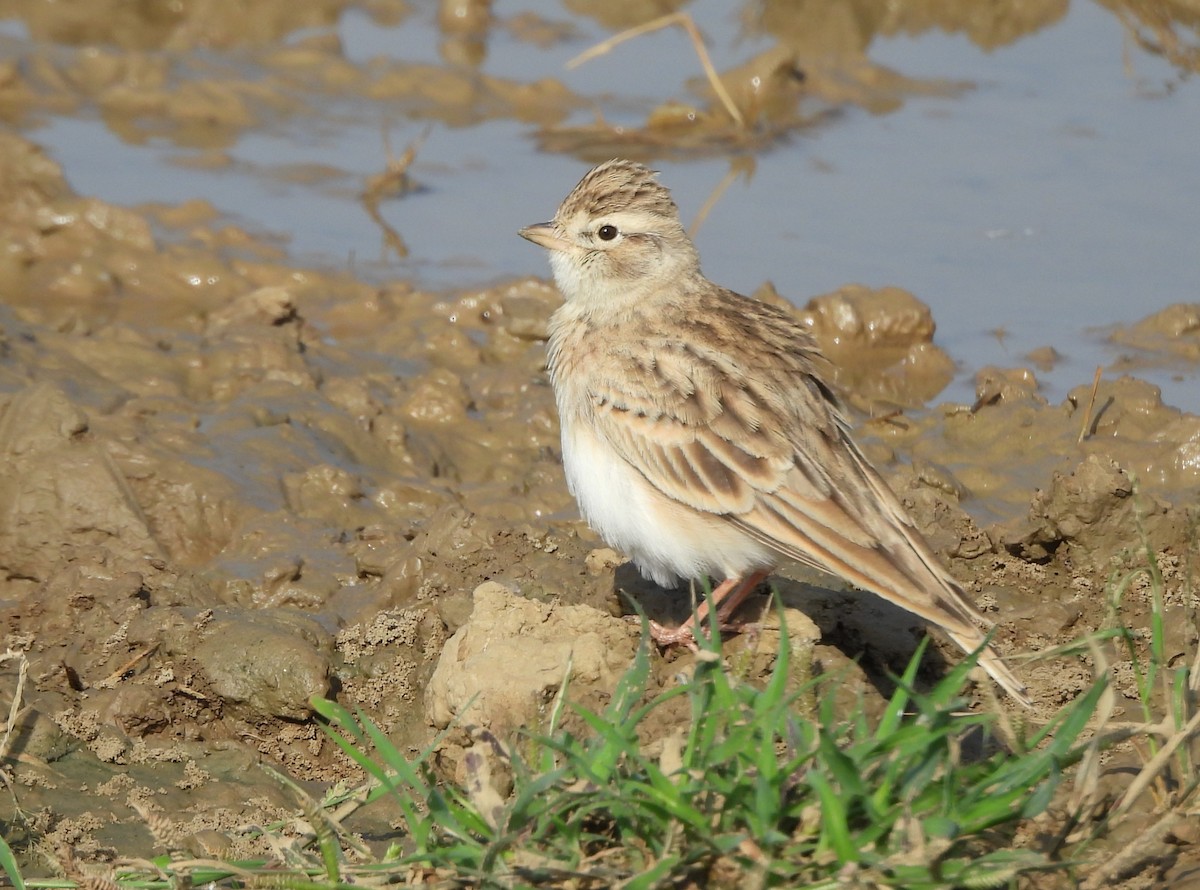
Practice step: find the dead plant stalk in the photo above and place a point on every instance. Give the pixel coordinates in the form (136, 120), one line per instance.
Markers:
(684, 20)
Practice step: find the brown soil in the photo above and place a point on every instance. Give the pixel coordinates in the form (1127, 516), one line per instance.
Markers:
(230, 484)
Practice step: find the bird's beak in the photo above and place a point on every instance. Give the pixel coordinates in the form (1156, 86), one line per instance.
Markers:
(544, 235)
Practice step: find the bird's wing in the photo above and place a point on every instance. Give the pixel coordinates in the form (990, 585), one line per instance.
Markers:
(759, 441)
(755, 437)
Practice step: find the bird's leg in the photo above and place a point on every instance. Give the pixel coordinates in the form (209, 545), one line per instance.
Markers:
(727, 596)
(728, 604)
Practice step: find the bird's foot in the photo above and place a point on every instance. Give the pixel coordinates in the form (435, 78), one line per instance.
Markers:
(726, 597)
(685, 635)
(666, 637)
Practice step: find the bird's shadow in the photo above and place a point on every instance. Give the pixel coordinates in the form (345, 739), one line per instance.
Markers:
(866, 629)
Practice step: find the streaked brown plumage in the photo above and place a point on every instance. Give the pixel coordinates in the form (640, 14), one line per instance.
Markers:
(698, 435)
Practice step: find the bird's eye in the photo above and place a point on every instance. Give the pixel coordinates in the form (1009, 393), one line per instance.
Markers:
(607, 233)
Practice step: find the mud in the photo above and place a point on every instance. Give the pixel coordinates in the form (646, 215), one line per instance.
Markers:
(230, 484)
(222, 499)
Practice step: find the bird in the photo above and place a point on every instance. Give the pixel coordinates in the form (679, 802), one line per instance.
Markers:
(699, 434)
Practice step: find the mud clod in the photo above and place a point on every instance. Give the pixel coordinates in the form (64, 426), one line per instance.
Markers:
(503, 668)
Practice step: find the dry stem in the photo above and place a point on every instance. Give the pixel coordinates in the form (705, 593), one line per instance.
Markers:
(684, 20)
(1087, 415)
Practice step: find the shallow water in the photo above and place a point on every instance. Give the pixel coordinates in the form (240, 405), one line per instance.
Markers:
(1051, 195)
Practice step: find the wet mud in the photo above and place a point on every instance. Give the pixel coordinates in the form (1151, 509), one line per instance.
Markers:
(230, 484)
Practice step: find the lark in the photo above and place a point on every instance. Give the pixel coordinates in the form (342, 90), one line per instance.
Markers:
(698, 435)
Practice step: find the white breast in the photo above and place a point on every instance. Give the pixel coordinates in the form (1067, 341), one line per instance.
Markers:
(666, 540)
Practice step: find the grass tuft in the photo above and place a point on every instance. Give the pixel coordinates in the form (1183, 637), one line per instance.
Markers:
(748, 788)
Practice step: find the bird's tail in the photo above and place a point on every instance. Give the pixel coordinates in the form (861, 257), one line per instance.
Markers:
(991, 662)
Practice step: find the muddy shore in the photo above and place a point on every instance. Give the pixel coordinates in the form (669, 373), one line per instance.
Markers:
(224, 499)
(230, 483)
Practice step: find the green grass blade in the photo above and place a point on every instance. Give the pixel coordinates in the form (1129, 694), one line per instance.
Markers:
(896, 706)
(835, 829)
(8, 862)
